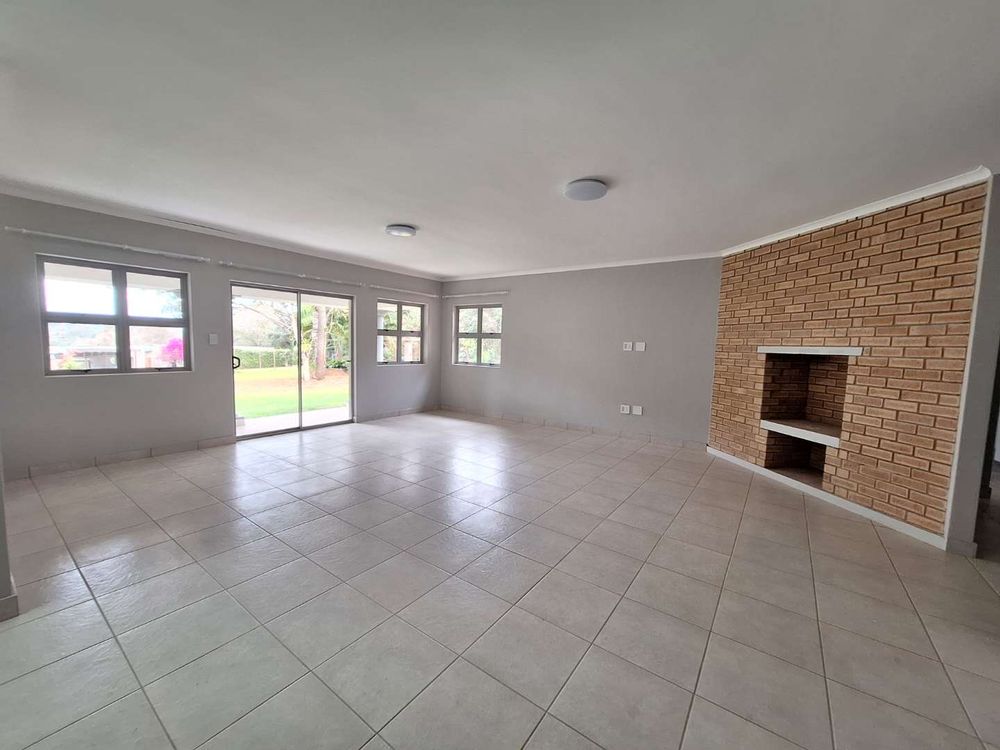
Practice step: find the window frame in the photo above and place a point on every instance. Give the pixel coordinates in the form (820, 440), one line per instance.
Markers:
(479, 335)
(400, 334)
(120, 319)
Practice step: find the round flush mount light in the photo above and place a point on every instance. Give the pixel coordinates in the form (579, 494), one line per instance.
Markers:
(401, 230)
(586, 190)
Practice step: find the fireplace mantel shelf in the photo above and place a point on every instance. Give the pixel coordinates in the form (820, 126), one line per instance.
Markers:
(827, 351)
(804, 429)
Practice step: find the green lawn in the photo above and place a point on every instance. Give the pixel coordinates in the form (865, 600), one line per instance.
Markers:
(269, 391)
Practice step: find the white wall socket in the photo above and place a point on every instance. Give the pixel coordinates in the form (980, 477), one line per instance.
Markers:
(626, 346)
(213, 339)
(637, 410)
(640, 346)
(624, 408)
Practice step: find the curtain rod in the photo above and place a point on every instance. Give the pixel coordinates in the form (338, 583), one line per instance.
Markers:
(115, 245)
(474, 294)
(203, 259)
(240, 266)
(402, 291)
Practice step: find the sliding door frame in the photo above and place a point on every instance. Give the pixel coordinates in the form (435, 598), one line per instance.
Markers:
(298, 292)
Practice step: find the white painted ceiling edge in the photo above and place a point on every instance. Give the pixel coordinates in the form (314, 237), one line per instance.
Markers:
(132, 213)
(979, 174)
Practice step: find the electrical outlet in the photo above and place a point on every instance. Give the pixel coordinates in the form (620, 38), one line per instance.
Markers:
(624, 408)
(637, 410)
(626, 346)
(640, 346)
(213, 339)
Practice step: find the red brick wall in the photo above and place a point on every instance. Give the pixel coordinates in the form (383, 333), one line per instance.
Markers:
(900, 284)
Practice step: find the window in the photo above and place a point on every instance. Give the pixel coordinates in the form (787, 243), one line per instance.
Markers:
(400, 333)
(99, 317)
(477, 335)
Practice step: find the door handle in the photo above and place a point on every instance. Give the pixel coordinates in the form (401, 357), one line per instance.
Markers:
(236, 362)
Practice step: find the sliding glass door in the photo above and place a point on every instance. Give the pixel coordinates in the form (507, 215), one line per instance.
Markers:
(291, 359)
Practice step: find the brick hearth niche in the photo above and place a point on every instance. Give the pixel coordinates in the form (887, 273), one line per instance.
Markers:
(841, 354)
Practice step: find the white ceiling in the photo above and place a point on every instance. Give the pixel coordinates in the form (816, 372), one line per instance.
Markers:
(315, 122)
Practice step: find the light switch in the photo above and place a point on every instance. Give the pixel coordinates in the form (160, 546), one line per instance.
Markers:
(626, 346)
(213, 339)
(624, 408)
(640, 346)
(637, 410)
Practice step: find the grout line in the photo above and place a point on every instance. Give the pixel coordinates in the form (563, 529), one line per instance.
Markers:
(715, 613)
(124, 656)
(664, 459)
(819, 638)
(930, 640)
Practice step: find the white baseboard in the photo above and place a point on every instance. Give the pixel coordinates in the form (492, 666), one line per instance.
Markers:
(872, 515)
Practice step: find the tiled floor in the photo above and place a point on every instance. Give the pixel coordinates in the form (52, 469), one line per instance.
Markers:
(436, 582)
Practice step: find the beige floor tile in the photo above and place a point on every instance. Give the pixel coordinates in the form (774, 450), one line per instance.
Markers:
(406, 530)
(665, 645)
(571, 603)
(618, 705)
(455, 613)
(862, 722)
(286, 587)
(250, 560)
(204, 697)
(892, 674)
(773, 630)
(286, 516)
(603, 567)
(137, 604)
(315, 534)
(448, 510)
(133, 567)
(504, 573)
(713, 728)
(528, 654)
(370, 513)
(967, 648)
(68, 690)
(303, 715)
(772, 693)
(463, 708)
(171, 641)
(324, 625)
(980, 697)
(381, 672)
(450, 549)
(540, 544)
(125, 724)
(117, 543)
(217, 539)
(398, 581)
(552, 734)
(47, 639)
(489, 525)
(791, 592)
(676, 594)
(568, 521)
(354, 555)
(690, 560)
(897, 626)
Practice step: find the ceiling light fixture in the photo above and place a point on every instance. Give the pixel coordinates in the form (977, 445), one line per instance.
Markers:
(586, 190)
(400, 230)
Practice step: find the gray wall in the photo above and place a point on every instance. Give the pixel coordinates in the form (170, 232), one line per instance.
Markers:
(46, 420)
(562, 348)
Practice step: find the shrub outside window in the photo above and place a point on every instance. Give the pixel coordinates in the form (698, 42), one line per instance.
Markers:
(400, 335)
(478, 329)
(108, 318)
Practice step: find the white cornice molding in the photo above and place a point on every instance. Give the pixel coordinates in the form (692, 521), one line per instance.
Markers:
(67, 199)
(587, 267)
(942, 186)
(22, 190)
